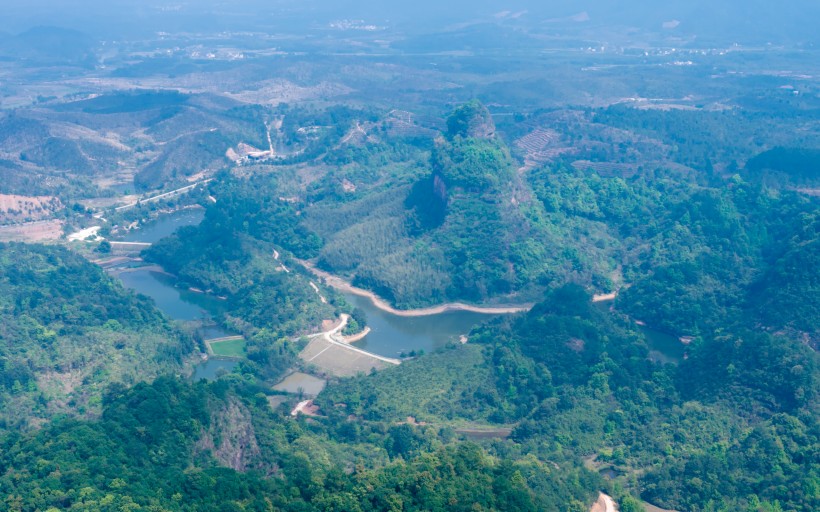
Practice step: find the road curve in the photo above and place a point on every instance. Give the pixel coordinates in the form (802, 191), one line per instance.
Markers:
(343, 286)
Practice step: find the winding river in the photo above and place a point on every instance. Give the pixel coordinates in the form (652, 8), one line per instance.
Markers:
(177, 303)
(391, 334)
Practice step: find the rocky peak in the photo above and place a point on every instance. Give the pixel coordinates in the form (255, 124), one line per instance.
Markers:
(471, 119)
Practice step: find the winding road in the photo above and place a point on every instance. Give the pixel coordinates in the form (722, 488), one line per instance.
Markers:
(331, 337)
(343, 286)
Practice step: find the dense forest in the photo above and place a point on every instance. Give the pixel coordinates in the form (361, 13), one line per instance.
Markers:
(538, 411)
(172, 445)
(727, 260)
(68, 331)
(723, 430)
(369, 256)
(457, 222)
(233, 255)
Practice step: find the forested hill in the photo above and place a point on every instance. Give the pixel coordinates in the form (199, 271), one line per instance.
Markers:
(68, 331)
(567, 391)
(453, 218)
(175, 446)
(731, 427)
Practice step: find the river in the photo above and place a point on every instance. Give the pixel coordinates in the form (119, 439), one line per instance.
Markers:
(177, 303)
(390, 336)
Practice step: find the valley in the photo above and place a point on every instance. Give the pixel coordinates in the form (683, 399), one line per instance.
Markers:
(357, 256)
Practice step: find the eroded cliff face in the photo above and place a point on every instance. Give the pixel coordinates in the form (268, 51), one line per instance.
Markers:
(231, 437)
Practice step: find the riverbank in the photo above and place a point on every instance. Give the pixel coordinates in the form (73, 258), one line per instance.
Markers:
(343, 286)
(146, 268)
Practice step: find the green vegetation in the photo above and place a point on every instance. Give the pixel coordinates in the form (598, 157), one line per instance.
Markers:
(727, 256)
(792, 165)
(67, 331)
(432, 388)
(693, 246)
(578, 384)
(726, 260)
(701, 139)
(265, 302)
(165, 446)
(667, 154)
(228, 348)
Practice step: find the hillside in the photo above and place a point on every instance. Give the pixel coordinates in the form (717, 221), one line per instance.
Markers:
(429, 256)
(576, 384)
(202, 447)
(68, 332)
(144, 140)
(454, 219)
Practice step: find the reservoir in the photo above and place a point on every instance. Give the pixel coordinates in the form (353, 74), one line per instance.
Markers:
(175, 302)
(179, 304)
(165, 225)
(392, 335)
(185, 306)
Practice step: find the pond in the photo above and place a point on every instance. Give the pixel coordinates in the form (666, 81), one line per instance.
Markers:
(664, 348)
(392, 335)
(213, 368)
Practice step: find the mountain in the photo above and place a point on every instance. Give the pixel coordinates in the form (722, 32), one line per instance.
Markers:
(150, 138)
(48, 45)
(723, 23)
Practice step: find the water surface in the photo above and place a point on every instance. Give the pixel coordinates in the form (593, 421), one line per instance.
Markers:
(663, 347)
(213, 368)
(177, 303)
(165, 225)
(392, 335)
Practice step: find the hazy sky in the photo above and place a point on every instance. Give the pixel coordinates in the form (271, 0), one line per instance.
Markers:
(752, 20)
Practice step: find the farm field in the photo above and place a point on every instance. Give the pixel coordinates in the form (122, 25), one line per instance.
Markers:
(228, 348)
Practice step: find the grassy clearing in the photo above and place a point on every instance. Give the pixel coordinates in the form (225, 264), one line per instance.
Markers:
(228, 348)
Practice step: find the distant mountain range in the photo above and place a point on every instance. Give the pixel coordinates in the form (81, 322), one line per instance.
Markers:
(728, 21)
(43, 45)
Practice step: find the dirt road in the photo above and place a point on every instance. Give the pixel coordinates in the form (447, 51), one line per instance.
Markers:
(603, 297)
(604, 504)
(343, 286)
(332, 356)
